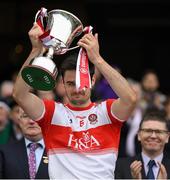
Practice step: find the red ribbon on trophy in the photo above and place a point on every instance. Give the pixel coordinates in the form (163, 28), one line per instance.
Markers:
(39, 17)
(83, 79)
(46, 38)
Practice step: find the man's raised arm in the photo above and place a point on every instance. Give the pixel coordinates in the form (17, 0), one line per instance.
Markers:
(126, 103)
(31, 104)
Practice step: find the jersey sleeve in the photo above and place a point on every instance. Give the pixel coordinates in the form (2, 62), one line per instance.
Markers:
(45, 121)
(112, 117)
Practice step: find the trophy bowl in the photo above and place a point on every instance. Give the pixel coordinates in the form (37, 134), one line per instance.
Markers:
(64, 27)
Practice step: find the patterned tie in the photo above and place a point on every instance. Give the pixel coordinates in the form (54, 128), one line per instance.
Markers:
(150, 174)
(32, 160)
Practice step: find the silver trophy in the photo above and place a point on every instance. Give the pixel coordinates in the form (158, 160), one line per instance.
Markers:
(62, 27)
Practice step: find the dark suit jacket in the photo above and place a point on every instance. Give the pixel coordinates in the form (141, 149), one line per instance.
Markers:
(122, 170)
(14, 162)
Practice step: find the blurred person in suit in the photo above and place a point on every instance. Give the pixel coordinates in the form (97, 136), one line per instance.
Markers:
(6, 88)
(129, 145)
(152, 98)
(5, 126)
(102, 89)
(16, 132)
(167, 114)
(153, 134)
(16, 158)
(167, 110)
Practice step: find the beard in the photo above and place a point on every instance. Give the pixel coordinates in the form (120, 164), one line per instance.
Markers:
(78, 102)
(83, 97)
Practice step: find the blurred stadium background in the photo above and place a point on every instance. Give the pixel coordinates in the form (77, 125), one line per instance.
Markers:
(133, 34)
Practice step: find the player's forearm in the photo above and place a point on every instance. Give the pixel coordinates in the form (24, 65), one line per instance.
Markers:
(117, 82)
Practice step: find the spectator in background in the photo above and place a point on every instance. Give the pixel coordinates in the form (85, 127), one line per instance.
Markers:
(17, 157)
(16, 133)
(6, 89)
(5, 126)
(167, 114)
(153, 134)
(102, 89)
(129, 145)
(151, 97)
(167, 109)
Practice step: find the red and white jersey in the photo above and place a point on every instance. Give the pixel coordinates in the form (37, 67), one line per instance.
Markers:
(82, 143)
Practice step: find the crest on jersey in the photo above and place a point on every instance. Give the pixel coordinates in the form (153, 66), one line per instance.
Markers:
(92, 118)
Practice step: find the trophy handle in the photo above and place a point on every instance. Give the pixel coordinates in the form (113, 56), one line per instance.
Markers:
(75, 47)
(87, 29)
(39, 18)
(64, 50)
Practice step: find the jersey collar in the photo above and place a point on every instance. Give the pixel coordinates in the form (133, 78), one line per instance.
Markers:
(80, 108)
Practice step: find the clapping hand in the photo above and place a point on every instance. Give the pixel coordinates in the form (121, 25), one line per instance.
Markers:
(136, 168)
(162, 171)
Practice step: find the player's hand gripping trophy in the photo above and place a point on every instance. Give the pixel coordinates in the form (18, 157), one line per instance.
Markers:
(61, 28)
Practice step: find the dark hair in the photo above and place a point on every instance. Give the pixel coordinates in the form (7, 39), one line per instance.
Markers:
(70, 63)
(148, 71)
(154, 116)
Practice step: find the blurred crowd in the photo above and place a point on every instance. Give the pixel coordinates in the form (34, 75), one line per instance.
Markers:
(150, 99)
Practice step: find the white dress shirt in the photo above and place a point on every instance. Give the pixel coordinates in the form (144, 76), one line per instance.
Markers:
(146, 160)
(133, 123)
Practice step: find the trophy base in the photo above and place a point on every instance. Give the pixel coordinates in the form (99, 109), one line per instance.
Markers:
(38, 78)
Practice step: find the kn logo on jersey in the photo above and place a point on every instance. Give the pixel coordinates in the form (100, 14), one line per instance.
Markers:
(86, 142)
